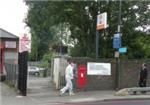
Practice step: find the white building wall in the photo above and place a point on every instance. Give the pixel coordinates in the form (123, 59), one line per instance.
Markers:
(59, 67)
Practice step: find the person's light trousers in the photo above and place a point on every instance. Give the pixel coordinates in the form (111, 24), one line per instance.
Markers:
(68, 86)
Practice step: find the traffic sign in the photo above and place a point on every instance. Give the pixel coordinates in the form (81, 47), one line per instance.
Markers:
(25, 43)
(116, 54)
(117, 35)
(117, 41)
(123, 50)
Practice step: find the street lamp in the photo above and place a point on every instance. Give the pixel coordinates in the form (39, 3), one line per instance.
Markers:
(119, 22)
(97, 32)
(101, 23)
(117, 58)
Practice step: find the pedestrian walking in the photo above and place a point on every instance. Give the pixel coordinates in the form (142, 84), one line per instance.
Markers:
(68, 78)
(143, 76)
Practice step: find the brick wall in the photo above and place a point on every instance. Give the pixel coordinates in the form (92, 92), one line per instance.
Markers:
(98, 82)
(129, 72)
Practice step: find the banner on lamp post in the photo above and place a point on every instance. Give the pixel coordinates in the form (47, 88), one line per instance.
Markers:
(101, 21)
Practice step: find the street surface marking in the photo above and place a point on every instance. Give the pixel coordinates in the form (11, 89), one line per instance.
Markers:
(83, 99)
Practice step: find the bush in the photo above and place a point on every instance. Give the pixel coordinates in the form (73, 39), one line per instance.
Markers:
(46, 60)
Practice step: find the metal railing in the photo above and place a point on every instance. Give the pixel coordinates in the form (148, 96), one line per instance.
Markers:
(11, 74)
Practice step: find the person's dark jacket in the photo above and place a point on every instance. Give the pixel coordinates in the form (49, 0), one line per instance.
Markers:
(143, 74)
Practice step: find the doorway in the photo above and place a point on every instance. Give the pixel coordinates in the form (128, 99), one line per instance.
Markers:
(1, 60)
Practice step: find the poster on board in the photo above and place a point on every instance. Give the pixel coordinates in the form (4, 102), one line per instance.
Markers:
(94, 68)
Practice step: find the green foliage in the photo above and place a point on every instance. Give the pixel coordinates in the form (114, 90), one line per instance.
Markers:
(40, 29)
(46, 60)
(144, 43)
(49, 20)
(47, 57)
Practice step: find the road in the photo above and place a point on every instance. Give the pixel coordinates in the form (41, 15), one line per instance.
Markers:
(119, 102)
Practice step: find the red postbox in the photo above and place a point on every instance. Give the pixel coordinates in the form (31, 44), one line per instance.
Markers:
(82, 76)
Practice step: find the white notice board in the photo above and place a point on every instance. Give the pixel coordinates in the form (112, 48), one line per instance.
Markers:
(94, 68)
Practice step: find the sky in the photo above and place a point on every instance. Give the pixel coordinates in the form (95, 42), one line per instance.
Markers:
(12, 14)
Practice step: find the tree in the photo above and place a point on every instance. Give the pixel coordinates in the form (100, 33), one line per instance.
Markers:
(81, 23)
(40, 29)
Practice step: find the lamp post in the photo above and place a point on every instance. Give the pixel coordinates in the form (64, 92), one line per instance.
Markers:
(117, 58)
(101, 23)
(97, 43)
(119, 22)
(97, 32)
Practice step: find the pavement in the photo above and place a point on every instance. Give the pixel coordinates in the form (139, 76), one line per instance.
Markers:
(40, 91)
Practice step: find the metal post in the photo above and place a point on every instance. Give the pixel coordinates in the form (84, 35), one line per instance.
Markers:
(117, 59)
(119, 23)
(119, 18)
(61, 26)
(61, 44)
(97, 43)
(22, 73)
(97, 34)
(117, 74)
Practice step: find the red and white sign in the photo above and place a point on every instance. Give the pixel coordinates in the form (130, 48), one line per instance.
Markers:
(25, 43)
(101, 21)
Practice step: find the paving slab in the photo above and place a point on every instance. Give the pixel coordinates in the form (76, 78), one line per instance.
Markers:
(41, 91)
